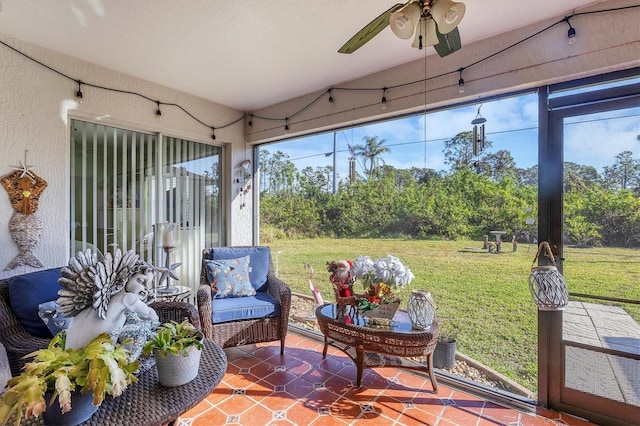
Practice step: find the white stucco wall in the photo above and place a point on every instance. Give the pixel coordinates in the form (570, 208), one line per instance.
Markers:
(35, 107)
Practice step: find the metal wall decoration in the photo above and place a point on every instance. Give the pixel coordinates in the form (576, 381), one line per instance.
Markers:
(24, 188)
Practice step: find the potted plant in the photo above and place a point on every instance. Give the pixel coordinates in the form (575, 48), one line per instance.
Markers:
(377, 277)
(58, 378)
(444, 356)
(176, 348)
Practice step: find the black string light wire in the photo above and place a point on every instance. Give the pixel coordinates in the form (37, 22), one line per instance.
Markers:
(570, 34)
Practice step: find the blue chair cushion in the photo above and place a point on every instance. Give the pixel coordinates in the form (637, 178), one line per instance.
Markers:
(230, 277)
(27, 291)
(259, 261)
(54, 320)
(241, 308)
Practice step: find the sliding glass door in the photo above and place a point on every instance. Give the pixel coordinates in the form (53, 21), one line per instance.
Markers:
(124, 182)
(596, 340)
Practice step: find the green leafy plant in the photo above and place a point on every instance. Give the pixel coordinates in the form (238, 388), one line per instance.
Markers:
(101, 367)
(448, 331)
(175, 338)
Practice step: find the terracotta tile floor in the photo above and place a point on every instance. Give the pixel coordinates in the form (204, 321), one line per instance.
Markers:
(300, 388)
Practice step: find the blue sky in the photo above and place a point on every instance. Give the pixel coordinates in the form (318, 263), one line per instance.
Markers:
(511, 125)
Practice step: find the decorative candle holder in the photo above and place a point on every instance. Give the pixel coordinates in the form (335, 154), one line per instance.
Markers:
(421, 308)
(168, 235)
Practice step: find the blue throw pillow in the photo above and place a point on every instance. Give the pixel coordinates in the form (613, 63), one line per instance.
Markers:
(230, 277)
(54, 320)
(30, 290)
(259, 262)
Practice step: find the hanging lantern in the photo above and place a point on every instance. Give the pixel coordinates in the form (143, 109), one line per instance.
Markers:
(421, 309)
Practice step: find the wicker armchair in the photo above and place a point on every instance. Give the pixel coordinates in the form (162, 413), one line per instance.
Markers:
(250, 330)
(18, 342)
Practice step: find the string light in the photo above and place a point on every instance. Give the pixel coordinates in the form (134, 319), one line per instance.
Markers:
(384, 98)
(79, 92)
(286, 124)
(571, 32)
(213, 133)
(571, 35)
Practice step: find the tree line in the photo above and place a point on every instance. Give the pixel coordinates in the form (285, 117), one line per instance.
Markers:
(480, 192)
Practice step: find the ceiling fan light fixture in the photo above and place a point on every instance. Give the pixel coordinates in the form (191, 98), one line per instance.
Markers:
(403, 22)
(427, 29)
(447, 14)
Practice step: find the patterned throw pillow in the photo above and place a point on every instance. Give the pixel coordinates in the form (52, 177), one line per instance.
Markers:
(230, 277)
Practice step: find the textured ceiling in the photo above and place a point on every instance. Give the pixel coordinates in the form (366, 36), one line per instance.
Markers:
(244, 54)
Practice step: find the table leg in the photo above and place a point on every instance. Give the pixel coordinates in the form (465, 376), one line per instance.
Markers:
(359, 364)
(432, 374)
(324, 350)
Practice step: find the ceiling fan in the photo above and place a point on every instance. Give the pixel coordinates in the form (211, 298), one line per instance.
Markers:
(430, 22)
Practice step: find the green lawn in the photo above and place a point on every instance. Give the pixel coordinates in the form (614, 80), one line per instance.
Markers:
(485, 295)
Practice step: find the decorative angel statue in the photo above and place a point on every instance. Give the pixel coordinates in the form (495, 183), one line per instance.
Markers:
(97, 295)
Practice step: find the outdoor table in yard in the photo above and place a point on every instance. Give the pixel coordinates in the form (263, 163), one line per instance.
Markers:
(146, 403)
(378, 346)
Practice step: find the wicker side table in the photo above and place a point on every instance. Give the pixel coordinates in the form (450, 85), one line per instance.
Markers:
(146, 403)
(375, 346)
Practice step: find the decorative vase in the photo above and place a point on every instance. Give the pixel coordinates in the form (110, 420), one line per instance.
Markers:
(82, 409)
(383, 310)
(444, 356)
(175, 369)
(421, 308)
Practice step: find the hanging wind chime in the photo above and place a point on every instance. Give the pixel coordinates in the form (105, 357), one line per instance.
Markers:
(478, 134)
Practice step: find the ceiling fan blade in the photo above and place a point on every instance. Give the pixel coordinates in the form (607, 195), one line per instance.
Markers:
(369, 31)
(448, 43)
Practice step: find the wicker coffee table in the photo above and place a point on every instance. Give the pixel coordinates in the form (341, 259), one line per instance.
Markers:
(149, 404)
(378, 346)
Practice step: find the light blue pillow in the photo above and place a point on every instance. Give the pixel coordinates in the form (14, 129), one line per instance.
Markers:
(259, 262)
(54, 320)
(230, 277)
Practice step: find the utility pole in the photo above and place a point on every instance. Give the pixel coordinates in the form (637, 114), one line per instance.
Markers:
(335, 147)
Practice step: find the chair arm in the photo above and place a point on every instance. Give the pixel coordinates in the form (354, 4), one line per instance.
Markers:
(176, 311)
(203, 298)
(280, 291)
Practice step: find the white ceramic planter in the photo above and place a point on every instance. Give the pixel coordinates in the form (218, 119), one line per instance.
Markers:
(176, 370)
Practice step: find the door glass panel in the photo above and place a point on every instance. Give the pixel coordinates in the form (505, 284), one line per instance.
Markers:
(123, 184)
(191, 193)
(601, 335)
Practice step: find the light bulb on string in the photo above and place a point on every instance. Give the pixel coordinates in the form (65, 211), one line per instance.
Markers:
(286, 125)
(213, 133)
(461, 82)
(330, 97)
(383, 101)
(79, 92)
(158, 112)
(250, 123)
(571, 32)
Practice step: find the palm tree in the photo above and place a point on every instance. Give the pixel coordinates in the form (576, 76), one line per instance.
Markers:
(370, 153)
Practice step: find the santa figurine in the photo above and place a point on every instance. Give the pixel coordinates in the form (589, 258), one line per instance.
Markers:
(341, 278)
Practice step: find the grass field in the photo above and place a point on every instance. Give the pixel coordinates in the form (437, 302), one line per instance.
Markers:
(485, 295)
